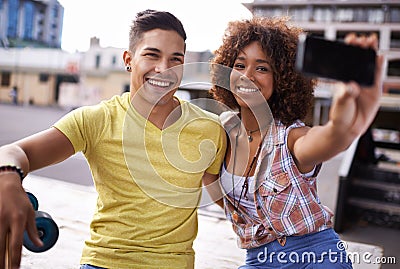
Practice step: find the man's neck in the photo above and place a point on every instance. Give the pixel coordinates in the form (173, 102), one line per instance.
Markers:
(161, 115)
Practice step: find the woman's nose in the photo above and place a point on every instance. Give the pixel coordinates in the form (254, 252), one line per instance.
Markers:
(249, 74)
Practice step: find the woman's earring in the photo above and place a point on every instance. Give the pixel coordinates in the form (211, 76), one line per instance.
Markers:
(128, 68)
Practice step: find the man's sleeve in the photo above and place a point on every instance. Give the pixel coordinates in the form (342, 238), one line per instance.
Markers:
(215, 167)
(82, 126)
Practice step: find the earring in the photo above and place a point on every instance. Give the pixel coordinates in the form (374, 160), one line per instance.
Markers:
(128, 68)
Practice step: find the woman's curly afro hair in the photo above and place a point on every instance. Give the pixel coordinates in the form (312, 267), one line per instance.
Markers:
(293, 93)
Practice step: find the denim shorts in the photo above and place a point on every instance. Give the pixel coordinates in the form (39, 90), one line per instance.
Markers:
(88, 266)
(317, 250)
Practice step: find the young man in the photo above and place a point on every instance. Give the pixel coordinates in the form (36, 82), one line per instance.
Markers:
(146, 153)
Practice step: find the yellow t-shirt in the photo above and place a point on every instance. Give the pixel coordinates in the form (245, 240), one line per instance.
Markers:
(148, 181)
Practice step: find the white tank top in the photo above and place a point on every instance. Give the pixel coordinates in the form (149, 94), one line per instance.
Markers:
(248, 201)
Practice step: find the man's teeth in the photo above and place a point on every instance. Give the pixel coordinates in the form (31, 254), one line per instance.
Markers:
(247, 89)
(158, 83)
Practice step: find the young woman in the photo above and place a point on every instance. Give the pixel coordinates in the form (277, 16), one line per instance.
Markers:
(273, 159)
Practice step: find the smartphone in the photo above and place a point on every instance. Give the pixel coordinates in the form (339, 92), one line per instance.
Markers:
(318, 57)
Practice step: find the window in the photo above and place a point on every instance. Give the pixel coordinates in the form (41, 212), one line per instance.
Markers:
(360, 15)
(394, 14)
(29, 20)
(98, 60)
(114, 60)
(270, 12)
(376, 15)
(5, 79)
(323, 14)
(344, 15)
(55, 12)
(394, 68)
(395, 40)
(13, 7)
(43, 77)
(300, 13)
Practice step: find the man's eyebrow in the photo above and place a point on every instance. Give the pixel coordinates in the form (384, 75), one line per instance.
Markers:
(179, 54)
(152, 49)
(159, 51)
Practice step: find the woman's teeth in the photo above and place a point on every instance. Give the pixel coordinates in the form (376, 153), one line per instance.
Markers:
(247, 90)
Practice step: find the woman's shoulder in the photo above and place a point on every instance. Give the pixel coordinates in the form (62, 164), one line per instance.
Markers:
(294, 129)
(229, 119)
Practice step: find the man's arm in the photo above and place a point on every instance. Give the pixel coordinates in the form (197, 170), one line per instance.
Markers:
(213, 187)
(16, 212)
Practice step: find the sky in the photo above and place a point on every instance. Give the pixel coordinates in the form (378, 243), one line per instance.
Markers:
(204, 21)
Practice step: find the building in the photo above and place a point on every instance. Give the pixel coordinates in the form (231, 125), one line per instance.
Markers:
(334, 19)
(102, 74)
(31, 23)
(48, 76)
(36, 74)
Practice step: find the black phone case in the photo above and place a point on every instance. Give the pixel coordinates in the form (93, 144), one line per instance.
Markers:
(336, 60)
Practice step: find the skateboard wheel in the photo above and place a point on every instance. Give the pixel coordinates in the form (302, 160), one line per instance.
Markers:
(48, 233)
(34, 201)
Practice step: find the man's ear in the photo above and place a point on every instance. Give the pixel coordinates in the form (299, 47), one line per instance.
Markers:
(127, 57)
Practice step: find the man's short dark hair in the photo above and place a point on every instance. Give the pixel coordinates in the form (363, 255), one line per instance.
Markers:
(151, 19)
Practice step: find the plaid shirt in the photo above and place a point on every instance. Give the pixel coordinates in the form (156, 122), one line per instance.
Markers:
(286, 201)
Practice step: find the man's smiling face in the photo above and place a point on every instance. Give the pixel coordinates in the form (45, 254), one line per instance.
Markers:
(157, 65)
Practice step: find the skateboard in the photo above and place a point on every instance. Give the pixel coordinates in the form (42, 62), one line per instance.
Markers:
(46, 227)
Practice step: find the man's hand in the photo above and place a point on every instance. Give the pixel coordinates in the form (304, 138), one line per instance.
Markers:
(16, 216)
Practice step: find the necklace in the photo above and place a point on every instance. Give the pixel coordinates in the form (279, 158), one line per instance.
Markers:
(249, 134)
(245, 186)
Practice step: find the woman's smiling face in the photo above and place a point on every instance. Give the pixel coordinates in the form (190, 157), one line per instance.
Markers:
(251, 76)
